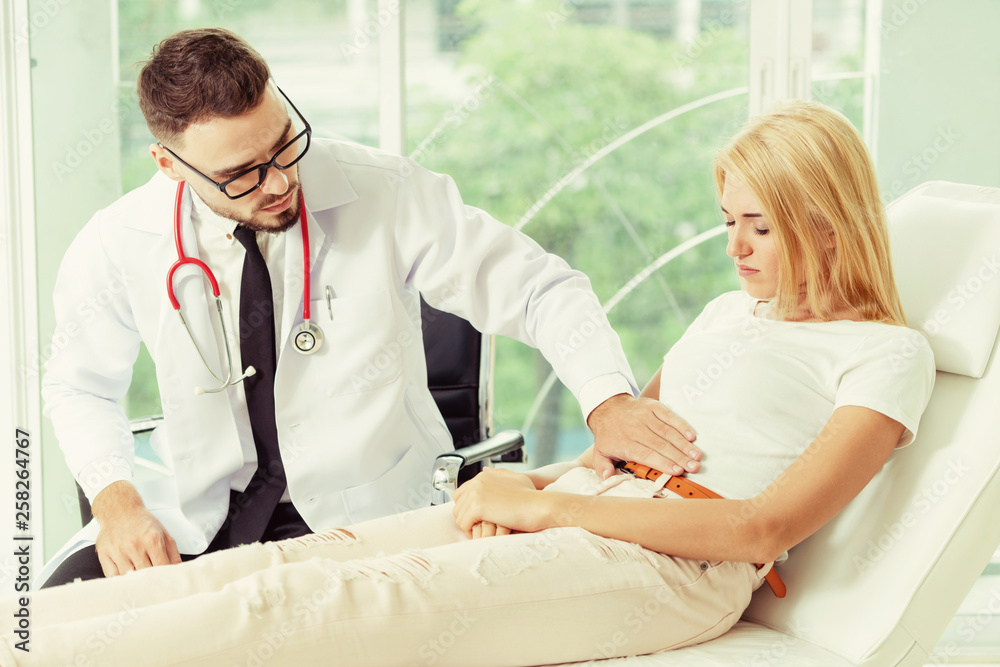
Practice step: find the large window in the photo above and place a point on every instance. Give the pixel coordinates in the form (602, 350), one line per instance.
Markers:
(591, 127)
(838, 57)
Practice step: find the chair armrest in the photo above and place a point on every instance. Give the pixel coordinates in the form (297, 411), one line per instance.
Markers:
(444, 476)
(145, 424)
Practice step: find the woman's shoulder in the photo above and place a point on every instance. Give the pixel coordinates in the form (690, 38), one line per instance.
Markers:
(899, 346)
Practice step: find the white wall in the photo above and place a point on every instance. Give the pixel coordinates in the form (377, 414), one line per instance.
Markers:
(939, 94)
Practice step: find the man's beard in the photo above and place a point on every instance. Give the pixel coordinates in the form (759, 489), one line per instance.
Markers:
(281, 223)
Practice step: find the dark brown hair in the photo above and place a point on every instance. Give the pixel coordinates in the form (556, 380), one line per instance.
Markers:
(196, 75)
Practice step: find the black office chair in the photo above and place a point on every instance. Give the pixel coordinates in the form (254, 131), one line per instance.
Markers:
(460, 377)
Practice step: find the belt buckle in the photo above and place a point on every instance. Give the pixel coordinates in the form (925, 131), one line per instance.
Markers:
(638, 470)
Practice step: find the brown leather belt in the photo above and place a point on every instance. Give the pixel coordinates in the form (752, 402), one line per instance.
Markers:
(685, 488)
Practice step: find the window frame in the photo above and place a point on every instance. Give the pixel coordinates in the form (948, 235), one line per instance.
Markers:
(20, 396)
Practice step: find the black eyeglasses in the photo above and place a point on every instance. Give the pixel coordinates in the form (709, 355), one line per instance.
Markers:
(250, 179)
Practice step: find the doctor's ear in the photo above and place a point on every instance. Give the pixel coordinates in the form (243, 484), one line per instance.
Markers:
(164, 161)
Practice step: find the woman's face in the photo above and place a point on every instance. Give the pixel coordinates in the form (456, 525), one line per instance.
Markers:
(751, 243)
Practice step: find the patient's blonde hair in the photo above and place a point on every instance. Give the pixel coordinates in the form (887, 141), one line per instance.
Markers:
(814, 179)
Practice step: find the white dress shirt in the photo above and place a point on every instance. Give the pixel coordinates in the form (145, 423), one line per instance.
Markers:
(220, 250)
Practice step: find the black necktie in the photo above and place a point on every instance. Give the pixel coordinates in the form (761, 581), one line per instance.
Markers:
(250, 510)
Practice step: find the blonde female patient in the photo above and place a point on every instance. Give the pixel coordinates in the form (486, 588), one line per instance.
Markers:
(564, 564)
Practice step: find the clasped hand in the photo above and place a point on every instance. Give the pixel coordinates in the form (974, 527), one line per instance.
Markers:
(498, 502)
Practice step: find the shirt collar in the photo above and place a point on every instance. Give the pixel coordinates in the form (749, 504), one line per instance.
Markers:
(201, 213)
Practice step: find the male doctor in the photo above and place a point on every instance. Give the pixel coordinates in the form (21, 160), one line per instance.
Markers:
(314, 434)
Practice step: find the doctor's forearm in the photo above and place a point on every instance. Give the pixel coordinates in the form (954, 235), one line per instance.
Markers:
(115, 500)
(702, 529)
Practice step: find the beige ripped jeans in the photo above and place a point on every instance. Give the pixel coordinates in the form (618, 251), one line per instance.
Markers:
(409, 589)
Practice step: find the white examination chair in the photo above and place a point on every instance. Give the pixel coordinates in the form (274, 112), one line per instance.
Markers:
(879, 584)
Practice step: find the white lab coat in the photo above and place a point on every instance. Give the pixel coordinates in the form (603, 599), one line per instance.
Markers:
(357, 427)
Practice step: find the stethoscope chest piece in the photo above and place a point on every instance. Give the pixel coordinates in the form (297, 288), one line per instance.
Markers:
(308, 338)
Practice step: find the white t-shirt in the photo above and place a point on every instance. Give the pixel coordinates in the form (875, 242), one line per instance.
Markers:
(757, 391)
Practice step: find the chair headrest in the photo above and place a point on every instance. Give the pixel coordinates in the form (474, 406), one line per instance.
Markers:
(945, 240)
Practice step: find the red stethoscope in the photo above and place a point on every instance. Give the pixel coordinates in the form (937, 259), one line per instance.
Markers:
(307, 336)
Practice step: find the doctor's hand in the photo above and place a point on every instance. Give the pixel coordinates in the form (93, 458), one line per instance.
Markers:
(498, 502)
(643, 430)
(131, 538)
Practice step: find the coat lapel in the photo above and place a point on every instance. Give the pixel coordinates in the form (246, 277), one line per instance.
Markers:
(191, 287)
(325, 186)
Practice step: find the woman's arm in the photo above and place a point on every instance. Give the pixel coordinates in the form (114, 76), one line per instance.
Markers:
(539, 478)
(850, 449)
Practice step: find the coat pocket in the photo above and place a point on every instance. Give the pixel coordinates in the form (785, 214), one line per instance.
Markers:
(363, 346)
